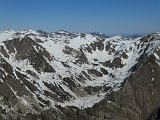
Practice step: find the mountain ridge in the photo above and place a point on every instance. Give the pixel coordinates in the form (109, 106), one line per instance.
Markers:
(43, 71)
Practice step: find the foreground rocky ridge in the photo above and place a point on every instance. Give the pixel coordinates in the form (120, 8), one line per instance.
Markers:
(66, 75)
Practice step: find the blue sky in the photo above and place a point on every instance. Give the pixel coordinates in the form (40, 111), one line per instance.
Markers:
(106, 16)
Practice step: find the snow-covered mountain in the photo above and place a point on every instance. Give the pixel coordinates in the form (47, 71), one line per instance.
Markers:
(42, 71)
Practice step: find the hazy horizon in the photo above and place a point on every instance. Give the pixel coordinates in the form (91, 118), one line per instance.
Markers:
(105, 16)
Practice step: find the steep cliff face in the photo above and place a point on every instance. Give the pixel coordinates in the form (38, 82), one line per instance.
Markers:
(66, 75)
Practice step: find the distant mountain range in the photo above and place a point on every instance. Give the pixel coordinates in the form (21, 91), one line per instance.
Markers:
(107, 36)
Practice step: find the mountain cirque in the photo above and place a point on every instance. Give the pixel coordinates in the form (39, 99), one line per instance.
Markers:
(76, 76)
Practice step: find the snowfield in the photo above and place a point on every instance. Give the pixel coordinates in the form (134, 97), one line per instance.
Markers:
(106, 64)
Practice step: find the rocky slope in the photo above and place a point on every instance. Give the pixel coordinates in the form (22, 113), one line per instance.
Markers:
(65, 76)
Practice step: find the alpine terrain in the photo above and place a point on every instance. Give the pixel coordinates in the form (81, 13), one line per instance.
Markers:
(75, 76)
